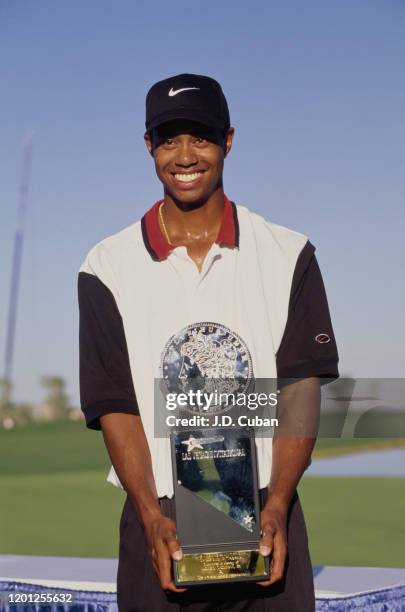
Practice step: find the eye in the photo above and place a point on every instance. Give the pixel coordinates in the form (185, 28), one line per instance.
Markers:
(200, 141)
(169, 143)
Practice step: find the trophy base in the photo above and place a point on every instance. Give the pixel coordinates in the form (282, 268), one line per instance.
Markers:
(200, 568)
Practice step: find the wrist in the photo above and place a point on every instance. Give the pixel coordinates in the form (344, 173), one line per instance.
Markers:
(148, 513)
(277, 503)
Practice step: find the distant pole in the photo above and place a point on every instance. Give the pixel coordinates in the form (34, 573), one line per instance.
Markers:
(17, 252)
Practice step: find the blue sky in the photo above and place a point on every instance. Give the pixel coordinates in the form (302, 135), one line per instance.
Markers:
(316, 94)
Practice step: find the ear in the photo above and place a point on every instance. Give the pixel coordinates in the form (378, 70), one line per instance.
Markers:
(148, 142)
(228, 140)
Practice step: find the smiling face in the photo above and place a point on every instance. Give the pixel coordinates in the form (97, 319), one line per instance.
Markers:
(189, 159)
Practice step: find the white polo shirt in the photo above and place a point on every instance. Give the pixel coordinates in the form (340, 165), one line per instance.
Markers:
(260, 291)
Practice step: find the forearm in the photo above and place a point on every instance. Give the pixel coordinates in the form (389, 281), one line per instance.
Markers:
(290, 458)
(294, 440)
(128, 448)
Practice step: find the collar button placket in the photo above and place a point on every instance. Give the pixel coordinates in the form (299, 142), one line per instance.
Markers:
(208, 264)
(189, 273)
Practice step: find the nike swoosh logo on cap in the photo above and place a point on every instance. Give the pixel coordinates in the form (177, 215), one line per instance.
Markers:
(174, 92)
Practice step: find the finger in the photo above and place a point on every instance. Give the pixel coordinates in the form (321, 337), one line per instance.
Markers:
(279, 557)
(176, 554)
(267, 540)
(264, 583)
(164, 568)
(267, 582)
(154, 562)
(174, 547)
(163, 562)
(172, 587)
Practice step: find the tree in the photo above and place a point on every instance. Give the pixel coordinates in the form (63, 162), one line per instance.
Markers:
(56, 398)
(11, 413)
(6, 388)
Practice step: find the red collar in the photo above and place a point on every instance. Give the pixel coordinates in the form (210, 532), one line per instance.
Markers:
(159, 248)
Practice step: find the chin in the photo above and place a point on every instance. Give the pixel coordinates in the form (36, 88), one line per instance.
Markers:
(188, 199)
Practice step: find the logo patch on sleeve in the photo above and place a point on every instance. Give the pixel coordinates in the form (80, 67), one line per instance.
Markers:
(322, 338)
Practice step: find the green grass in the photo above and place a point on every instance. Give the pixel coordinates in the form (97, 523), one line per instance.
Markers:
(50, 448)
(55, 501)
(54, 496)
(328, 447)
(66, 514)
(355, 521)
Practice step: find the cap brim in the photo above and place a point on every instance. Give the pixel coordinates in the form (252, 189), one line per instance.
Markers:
(186, 113)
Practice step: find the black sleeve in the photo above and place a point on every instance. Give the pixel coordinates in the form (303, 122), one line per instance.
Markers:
(105, 375)
(308, 346)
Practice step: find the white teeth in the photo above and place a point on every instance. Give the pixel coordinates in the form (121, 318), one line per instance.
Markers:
(186, 178)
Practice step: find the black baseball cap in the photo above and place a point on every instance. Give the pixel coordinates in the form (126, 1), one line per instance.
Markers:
(187, 96)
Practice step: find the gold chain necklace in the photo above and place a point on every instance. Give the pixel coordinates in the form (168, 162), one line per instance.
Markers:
(163, 224)
(165, 228)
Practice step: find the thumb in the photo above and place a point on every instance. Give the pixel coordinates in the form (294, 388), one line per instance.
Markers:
(266, 541)
(174, 548)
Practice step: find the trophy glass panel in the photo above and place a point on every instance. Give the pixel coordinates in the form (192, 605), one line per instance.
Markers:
(216, 465)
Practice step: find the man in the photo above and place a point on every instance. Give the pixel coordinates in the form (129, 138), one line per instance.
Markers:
(197, 268)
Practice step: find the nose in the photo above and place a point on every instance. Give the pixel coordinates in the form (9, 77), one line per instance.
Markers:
(186, 155)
